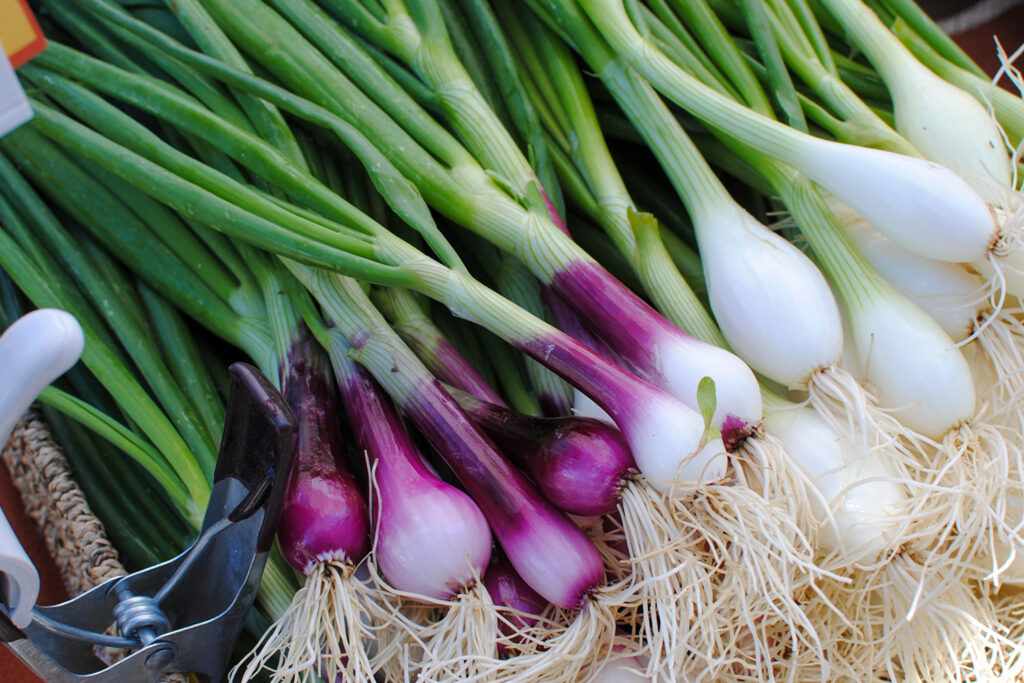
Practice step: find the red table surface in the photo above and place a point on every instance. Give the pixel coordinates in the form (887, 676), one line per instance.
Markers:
(52, 588)
(978, 42)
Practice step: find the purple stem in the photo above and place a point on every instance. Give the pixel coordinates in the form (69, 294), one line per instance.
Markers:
(569, 322)
(615, 314)
(608, 384)
(451, 367)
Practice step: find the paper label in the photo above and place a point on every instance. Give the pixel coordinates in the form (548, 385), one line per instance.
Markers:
(19, 32)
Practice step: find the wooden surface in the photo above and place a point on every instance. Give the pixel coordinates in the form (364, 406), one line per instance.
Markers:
(978, 42)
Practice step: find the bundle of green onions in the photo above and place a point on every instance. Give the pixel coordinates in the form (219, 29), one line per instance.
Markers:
(753, 453)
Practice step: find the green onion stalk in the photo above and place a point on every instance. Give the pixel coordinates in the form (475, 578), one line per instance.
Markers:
(798, 35)
(174, 466)
(414, 326)
(76, 423)
(513, 280)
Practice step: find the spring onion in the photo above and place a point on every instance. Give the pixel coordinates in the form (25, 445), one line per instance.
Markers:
(323, 533)
(430, 539)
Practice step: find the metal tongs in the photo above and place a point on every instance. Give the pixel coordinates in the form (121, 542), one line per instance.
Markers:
(182, 616)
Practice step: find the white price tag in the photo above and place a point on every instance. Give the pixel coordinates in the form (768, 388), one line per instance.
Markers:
(14, 107)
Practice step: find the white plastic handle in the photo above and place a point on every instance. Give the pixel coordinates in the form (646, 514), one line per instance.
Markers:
(19, 580)
(37, 349)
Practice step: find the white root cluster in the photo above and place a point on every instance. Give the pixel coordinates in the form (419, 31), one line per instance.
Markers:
(331, 626)
(761, 564)
(672, 578)
(918, 608)
(562, 645)
(447, 641)
(850, 408)
(712, 577)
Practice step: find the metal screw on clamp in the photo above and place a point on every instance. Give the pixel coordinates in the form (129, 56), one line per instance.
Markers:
(161, 657)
